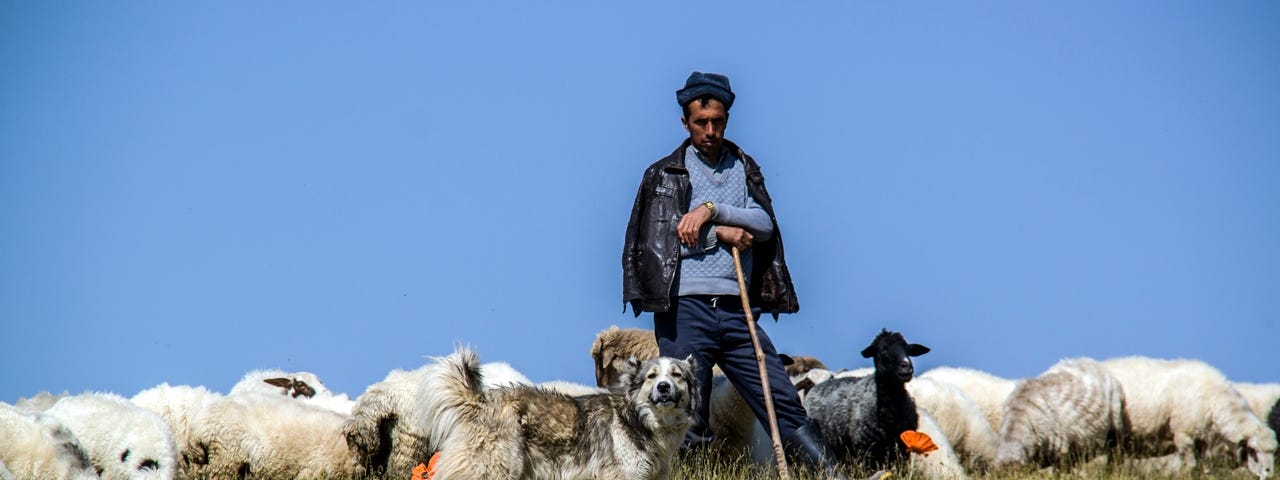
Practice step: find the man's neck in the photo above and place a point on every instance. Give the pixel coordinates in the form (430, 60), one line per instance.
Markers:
(711, 159)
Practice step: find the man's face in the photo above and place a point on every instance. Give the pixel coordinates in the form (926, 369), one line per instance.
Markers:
(706, 125)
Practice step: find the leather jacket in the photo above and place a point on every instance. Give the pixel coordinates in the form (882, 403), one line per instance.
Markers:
(651, 253)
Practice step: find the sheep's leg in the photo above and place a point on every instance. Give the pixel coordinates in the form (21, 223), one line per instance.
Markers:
(1185, 446)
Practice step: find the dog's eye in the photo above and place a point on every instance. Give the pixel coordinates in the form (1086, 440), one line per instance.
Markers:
(676, 375)
(652, 376)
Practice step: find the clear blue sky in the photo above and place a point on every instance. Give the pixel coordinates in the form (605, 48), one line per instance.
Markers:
(193, 190)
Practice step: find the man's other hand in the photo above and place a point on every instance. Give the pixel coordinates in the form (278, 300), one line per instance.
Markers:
(734, 236)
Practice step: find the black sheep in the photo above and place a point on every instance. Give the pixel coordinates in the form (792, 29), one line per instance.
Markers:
(861, 418)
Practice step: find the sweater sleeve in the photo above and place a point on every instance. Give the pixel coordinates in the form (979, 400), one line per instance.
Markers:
(752, 217)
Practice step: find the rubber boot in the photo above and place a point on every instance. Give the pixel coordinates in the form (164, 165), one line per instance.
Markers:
(805, 447)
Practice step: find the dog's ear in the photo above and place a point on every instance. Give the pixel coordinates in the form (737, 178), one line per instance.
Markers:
(633, 367)
(693, 363)
(628, 374)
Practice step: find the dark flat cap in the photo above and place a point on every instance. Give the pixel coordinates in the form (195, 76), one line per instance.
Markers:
(706, 84)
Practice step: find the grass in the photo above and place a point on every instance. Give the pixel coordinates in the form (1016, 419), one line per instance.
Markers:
(709, 468)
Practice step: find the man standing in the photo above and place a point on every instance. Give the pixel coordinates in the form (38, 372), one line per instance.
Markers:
(692, 207)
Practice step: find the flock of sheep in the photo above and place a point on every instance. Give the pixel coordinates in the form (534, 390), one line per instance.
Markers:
(1166, 415)
(1163, 416)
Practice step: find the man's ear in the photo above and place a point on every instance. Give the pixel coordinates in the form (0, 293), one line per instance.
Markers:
(684, 122)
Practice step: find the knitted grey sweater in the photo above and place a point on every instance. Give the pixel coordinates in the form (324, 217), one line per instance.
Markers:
(707, 268)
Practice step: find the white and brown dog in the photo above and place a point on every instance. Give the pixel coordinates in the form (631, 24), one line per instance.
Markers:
(525, 432)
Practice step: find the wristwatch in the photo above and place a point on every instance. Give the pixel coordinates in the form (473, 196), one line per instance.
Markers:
(711, 206)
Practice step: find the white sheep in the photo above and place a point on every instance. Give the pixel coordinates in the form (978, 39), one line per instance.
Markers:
(123, 440)
(262, 435)
(571, 388)
(940, 464)
(1262, 397)
(303, 386)
(500, 374)
(1182, 403)
(1264, 401)
(959, 417)
(387, 428)
(183, 408)
(1069, 414)
(5, 474)
(733, 423)
(40, 446)
(809, 379)
(40, 402)
(986, 390)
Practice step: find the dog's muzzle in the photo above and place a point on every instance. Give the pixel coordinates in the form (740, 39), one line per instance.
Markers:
(665, 394)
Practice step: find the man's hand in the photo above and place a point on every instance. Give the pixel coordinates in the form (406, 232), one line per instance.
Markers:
(690, 226)
(734, 236)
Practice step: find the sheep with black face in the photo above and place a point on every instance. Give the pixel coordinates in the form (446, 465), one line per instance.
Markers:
(861, 418)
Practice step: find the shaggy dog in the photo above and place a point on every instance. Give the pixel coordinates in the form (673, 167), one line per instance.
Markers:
(527, 432)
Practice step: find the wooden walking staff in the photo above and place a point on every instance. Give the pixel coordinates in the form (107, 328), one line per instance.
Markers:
(764, 375)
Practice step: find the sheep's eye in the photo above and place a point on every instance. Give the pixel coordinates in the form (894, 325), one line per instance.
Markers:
(124, 456)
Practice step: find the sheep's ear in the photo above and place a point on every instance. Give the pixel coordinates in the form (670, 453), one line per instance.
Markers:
(916, 350)
(301, 388)
(805, 385)
(869, 352)
(279, 382)
(786, 359)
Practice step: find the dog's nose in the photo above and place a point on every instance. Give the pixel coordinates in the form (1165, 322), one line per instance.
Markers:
(664, 387)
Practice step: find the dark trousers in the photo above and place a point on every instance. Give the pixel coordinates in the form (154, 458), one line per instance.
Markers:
(714, 330)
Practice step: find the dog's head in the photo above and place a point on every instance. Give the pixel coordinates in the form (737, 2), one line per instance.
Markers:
(665, 385)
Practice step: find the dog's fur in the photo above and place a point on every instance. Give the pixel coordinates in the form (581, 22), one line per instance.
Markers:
(528, 432)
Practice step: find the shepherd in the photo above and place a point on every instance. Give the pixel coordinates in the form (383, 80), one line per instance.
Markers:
(693, 208)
